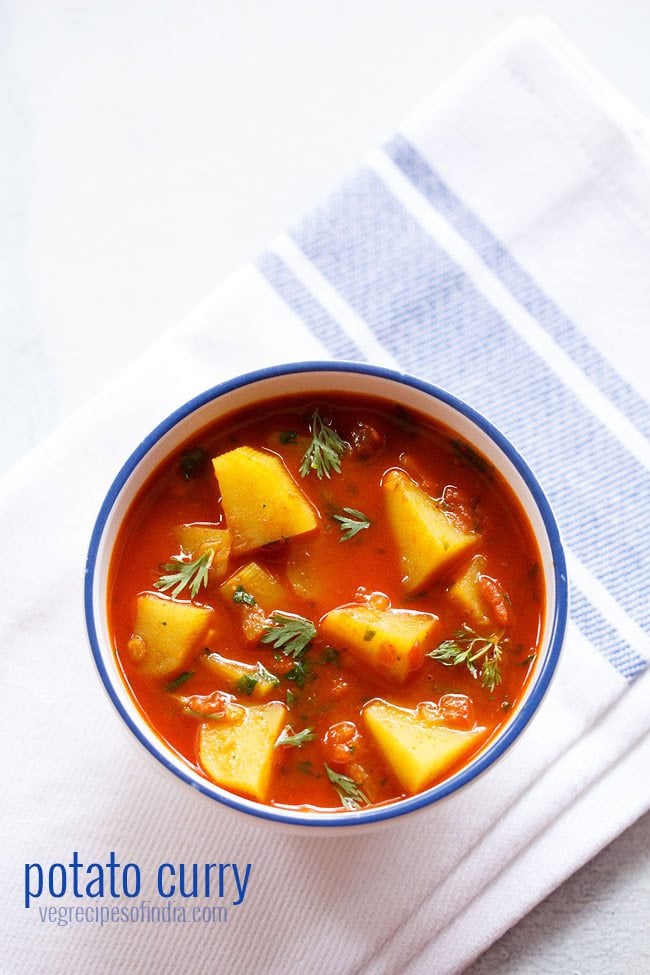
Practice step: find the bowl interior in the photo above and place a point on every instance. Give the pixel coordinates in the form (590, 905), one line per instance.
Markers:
(322, 379)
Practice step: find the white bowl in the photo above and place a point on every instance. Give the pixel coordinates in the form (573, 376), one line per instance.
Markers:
(322, 378)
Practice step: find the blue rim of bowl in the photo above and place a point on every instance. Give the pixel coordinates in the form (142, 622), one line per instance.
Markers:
(486, 758)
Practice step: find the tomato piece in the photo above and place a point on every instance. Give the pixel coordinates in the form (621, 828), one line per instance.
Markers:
(341, 741)
(457, 711)
(366, 440)
(495, 601)
(217, 705)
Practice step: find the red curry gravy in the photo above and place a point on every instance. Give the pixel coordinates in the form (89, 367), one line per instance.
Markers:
(326, 688)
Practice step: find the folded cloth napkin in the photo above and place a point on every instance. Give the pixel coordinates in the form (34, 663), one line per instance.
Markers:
(497, 245)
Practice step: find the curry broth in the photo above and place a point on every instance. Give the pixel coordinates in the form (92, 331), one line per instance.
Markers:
(337, 684)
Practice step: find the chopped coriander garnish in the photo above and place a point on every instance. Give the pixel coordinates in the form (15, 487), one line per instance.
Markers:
(290, 634)
(404, 419)
(287, 436)
(241, 596)
(193, 574)
(191, 461)
(177, 682)
(291, 698)
(471, 457)
(249, 681)
(527, 660)
(490, 671)
(246, 684)
(468, 647)
(349, 793)
(324, 452)
(299, 674)
(296, 740)
(351, 523)
(330, 655)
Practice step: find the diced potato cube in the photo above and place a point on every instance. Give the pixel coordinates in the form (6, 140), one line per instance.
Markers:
(166, 631)
(267, 591)
(240, 756)
(466, 590)
(305, 573)
(417, 751)
(197, 539)
(481, 596)
(392, 641)
(427, 538)
(261, 501)
(252, 680)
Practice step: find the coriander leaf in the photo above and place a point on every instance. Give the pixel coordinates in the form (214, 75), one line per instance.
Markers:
(467, 455)
(324, 452)
(527, 660)
(295, 740)
(469, 647)
(193, 574)
(246, 684)
(249, 681)
(404, 419)
(287, 437)
(191, 461)
(330, 656)
(351, 523)
(290, 634)
(241, 596)
(349, 793)
(172, 685)
(490, 671)
(299, 674)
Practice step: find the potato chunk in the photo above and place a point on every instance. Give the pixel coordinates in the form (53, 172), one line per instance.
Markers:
(392, 641)
(165, 632)
(427, 538)
(249, 679)
(240, 756)
(304, 572)
(261, 501)
(197, 539)
(267, 591)
(466, 590)
(481, 596)
(417, 751)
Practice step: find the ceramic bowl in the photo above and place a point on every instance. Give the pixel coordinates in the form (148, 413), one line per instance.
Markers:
(321, 378)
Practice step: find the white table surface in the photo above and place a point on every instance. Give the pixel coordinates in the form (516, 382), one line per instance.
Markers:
(150, 147)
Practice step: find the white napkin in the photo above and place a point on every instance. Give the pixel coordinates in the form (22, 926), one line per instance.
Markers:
(499, 246)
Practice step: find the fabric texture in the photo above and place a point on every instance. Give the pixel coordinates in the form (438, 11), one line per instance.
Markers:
(498, 246)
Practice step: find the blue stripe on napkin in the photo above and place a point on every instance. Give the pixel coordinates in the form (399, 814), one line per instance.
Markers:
(427, 312)
(520, 284)
(300, 300)
(430, 316)
(604, 637)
